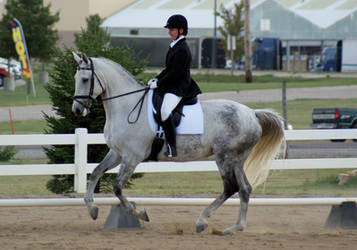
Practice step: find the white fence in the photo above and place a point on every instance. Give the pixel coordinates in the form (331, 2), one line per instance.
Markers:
(81, 139)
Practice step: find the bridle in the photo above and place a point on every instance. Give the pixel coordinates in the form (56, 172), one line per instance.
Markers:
(91, 89)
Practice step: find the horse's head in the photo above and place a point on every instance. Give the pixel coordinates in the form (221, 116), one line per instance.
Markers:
(88, 85)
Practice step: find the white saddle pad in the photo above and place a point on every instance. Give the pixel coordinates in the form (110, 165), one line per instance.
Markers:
(191, 122)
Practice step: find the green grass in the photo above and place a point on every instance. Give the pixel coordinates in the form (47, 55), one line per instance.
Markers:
(317, 182)
(19, 97)
(207, 82)
(320, 182)
(24, 127)
(24, 185)
(214, 83)
(299, 111)
(299, 114)
(280, 182)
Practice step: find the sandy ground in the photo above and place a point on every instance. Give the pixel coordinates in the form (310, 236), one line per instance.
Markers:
(172, 227)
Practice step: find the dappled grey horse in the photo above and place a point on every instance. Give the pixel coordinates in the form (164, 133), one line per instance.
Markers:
(243, 141)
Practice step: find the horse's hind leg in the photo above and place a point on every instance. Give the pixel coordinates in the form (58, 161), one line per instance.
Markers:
(125, 172)
(201, 223)
(111, 160)
(229, 188)
(244, 193)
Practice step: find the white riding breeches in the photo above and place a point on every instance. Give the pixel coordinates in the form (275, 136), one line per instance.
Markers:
(168, 105)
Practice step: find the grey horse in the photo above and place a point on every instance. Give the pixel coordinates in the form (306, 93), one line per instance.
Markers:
(243, 141)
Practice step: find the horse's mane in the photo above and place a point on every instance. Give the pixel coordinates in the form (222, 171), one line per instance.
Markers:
(122, 69)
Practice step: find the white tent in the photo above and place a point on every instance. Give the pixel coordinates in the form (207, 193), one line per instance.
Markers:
(146, 15)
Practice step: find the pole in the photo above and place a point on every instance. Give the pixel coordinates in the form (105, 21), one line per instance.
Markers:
(287, 55)
(80, 160)
(11, 122)
(232, 54)
(285, 115)
(247, 43)
(214, 46)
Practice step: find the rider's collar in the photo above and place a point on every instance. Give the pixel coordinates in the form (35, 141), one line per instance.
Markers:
(172, 44)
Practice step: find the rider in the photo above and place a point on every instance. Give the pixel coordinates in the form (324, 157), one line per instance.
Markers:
(175, 80)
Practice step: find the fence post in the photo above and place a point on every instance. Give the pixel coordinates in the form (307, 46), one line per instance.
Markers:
(80, 160)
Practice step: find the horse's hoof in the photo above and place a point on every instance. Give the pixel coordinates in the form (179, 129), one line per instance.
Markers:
(228, 232)
(201, 227)
(144, 216)
(233, 230)
(93, 211)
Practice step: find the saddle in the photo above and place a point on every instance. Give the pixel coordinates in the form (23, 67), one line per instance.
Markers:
(177, 114)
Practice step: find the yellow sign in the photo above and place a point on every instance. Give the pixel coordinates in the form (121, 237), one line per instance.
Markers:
(20, 45)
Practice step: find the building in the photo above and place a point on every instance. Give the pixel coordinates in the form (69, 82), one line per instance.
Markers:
(285, 19)
(303, 26)
(73, 14)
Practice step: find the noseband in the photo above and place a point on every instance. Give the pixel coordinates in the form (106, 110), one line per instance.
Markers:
(91, 89)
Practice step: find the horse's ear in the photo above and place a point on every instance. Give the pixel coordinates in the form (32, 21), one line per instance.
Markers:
(85, 58)
(76, 57)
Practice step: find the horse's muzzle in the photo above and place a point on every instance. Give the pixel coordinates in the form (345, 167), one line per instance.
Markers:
(79, 109)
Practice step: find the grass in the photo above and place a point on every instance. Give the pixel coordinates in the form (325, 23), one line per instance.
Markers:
(319, 182)
(299, 114)
(24, 127)
(19, 97)
(299, 111)
(24, 185)
(315, 182)
(215, 83)
(207, 82)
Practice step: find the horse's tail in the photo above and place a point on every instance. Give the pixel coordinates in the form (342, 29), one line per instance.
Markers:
(259, 160)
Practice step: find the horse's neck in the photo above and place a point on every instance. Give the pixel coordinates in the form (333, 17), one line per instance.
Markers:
(118, 82)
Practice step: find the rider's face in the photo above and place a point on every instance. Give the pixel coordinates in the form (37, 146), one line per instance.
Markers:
(173, 33)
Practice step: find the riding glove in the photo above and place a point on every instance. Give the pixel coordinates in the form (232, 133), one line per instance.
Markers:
(152, 83)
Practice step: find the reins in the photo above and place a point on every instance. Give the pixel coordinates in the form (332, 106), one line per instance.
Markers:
(140, 102)
(89, 96)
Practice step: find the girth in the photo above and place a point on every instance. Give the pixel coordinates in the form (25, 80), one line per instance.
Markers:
(177, 113)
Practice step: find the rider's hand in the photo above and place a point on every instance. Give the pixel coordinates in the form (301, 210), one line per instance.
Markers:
(152, 83)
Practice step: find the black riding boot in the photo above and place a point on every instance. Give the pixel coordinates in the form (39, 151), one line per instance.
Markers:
(170, 134)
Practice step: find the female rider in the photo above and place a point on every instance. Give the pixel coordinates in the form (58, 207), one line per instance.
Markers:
(175, 80)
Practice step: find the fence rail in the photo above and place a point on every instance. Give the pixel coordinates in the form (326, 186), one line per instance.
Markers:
(49, 202)
(81, 139)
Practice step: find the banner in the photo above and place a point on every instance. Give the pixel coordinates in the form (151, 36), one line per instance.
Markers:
(21, 48)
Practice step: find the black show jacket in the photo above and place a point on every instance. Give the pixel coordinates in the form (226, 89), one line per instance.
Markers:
(176, 78)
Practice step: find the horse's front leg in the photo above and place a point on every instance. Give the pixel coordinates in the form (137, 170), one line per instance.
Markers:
(125, 172)
(111, 160)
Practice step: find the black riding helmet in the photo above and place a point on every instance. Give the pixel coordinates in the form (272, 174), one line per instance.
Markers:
(178, 22)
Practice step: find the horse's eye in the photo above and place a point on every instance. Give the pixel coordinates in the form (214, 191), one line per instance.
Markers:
(85, 80)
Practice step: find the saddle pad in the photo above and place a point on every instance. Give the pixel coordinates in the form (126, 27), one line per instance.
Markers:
(191, 123)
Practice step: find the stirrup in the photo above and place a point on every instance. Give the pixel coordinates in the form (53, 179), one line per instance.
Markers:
(171, 151)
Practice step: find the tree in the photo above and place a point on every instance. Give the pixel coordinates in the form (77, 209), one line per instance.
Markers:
(233, 27)
(93, 41)
(38, 25)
